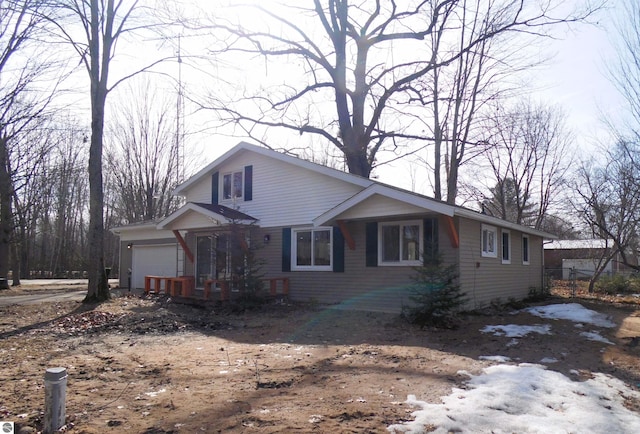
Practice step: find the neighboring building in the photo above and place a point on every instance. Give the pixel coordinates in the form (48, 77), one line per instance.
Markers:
(563, 256)
(339, 238)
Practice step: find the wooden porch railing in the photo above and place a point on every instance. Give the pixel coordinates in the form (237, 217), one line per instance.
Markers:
(181, 285)
(185, 286)
(225, 289)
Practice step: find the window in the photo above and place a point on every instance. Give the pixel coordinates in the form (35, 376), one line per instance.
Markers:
(232, 185)
(506, 247)
(525, 249)
(312, 249)
(400, 243)
(489, 235)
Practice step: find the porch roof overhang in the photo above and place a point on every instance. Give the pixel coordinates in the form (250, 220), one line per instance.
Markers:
(147, 230)
(194, 215)
(379, 201)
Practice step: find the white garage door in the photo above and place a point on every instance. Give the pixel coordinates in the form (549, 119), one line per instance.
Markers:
(155, 260)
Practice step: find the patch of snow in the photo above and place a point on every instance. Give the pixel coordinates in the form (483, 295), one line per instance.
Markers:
(315, 418)
(501, 359)
(595, 336)
(516, 331)
(513, 342)
(154, 394)
(548, 360)
(572, 312)
(528, 398)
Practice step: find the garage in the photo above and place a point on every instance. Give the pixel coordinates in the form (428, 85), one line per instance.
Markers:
(155, 260)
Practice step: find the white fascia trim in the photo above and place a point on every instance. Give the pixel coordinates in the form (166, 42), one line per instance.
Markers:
(328, 171)
(495, 221)
(392, 193)
(133, 227)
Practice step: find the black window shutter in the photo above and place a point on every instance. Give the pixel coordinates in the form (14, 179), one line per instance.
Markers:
(338, 250)
(286, 249)
(371, 244)
(215, 188)
(430, 227)
(248, 183)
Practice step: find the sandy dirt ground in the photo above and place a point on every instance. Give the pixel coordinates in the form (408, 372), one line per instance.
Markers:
(156, 366)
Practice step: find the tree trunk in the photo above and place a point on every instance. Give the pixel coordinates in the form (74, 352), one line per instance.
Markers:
(6, 217)
(98, 289)
(437, 151)
(15, 260)
(452, 179)
(357, 161)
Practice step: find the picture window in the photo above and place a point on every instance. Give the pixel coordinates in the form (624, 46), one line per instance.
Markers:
(400, 243)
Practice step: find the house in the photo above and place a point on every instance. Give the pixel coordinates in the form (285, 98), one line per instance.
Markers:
(582, 256)
(338, 238)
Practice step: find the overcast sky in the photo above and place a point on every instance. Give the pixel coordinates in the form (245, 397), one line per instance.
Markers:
(577, 77)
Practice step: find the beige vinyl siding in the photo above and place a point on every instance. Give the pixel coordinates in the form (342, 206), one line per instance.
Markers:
(200, 191)
(194, 220)
(381, 288)
(283, 193)
(381, 206)
(486, 279)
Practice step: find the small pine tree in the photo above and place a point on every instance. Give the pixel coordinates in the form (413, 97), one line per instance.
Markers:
(247, 273)
(435, 294)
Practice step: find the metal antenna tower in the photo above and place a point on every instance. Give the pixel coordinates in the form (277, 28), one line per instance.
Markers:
(179, 146)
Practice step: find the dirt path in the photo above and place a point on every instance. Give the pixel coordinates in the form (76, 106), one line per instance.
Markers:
(143, 366)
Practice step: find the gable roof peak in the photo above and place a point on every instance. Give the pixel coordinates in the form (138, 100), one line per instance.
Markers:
(270, 153)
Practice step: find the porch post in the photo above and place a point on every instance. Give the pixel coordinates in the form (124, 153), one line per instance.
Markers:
(184, 245)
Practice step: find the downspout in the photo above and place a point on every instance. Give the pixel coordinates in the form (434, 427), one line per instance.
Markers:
(542, 269)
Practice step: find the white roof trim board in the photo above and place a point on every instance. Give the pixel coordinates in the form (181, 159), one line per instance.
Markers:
(135, 227)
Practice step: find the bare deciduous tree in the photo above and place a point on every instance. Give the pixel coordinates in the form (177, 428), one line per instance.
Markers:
(30, 157)
(624, 73)
(608, 201)
(456, 93)
(104, 23)
(143, 164)
(528, 154)
(22, 62)
(358, 65)
(63, 240)
(608, 187)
